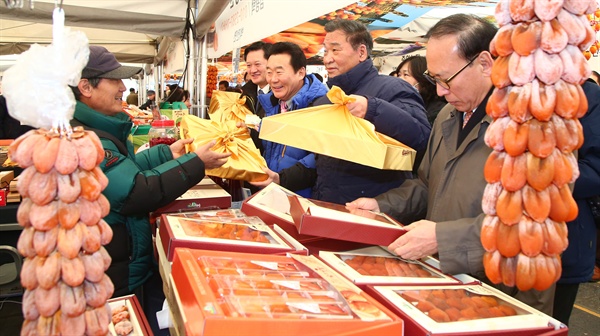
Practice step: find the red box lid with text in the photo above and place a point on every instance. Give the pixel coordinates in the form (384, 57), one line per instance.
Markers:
(272, 205)
(205, 195)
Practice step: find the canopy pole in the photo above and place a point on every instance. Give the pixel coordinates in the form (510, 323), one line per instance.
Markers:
(202, 73)
(191, 78)
(159, 84)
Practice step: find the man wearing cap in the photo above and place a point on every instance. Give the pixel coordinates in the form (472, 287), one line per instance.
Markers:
(151, 100)
(138, 183)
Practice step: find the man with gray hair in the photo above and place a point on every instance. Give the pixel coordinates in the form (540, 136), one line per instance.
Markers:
(390, 104)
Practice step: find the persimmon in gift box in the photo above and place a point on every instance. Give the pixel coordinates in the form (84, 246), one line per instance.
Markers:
(127, 317)
(363, 269)
(219, 292)
(461, 310)
(333, 131)
(245, 162)
(248, 234)
(311, 218)
(205, 195)
(225, 215)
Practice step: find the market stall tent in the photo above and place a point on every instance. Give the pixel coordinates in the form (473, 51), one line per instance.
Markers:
(132, 29)
(136, 31)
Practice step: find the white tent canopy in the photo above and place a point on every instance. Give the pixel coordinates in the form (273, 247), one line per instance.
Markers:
(132, 29)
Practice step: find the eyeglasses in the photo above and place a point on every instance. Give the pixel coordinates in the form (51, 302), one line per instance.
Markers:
(446, 83)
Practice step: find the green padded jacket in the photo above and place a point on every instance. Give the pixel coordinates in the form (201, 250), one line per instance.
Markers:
(138, 184)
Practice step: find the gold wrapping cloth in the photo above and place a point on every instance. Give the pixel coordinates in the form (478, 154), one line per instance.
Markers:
(333, 131)
(245, 162)
(227, 106)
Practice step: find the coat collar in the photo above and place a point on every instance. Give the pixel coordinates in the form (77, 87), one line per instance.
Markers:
(350, 81)
(451, 127)
(311, 89)
(118, 125)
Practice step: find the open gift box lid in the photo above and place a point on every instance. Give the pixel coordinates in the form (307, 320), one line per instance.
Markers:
(332, 220)
(313, 218)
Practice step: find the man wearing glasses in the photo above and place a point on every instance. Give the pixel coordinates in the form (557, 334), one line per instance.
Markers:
(444, 204)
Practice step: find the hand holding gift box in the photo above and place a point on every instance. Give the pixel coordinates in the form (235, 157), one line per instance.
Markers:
(245, 162)
(333, 131)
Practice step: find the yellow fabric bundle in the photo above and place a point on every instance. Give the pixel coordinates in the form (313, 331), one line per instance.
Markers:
(333, 131)
(245, 162)
(227, 106)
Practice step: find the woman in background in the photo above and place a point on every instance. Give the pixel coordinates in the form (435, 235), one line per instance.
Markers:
(186, 99)
(411, 70)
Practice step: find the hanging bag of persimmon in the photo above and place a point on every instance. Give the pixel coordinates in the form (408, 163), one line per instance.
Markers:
(535, 105)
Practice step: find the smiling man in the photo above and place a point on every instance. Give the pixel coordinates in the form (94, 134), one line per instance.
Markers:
(291, 89)
(389, 103)
(256, 56)
(138, 183)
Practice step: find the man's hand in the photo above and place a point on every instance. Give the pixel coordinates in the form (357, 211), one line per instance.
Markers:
(358, 108)
(242, 124)
(420, 241)
(178, 147)
(210, 158)
(273, 177)
(362, 206)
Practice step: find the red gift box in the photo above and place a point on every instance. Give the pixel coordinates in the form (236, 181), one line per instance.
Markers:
(136, 315)
(376, 266)
(312, 218)
(177, 231)
(200, 306)
(272, 205)
(205, 195)
(416, 305)
(331, 220)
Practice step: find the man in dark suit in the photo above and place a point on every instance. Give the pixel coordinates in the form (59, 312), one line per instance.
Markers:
(256, 56)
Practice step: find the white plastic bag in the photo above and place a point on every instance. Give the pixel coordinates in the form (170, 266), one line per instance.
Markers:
(37, 86)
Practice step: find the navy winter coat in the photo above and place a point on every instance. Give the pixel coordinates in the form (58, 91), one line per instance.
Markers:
(279, 156)
(578, 259)
(396, 109)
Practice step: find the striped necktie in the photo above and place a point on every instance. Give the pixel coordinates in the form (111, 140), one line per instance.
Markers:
(466, 118)
(284, 107)
(260, 92)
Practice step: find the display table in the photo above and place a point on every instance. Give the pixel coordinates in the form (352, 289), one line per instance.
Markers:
(196, 280)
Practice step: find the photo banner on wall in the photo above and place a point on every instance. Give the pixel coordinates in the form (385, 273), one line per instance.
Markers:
(247, 21)
(397, 26)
